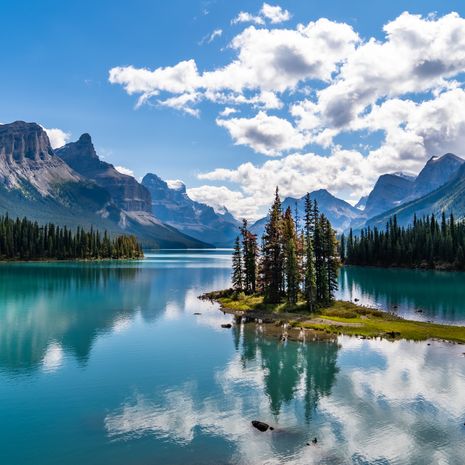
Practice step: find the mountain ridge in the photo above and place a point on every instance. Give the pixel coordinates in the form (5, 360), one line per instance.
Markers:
(37, 183)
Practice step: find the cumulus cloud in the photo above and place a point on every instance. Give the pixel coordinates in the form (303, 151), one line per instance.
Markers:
(124, 170)
(344, 172)
(218, 197)
(244, 17)
(267, 61)
(57, 137)
(403, 92)
(275, 14)
(265, 134)
(228, 111)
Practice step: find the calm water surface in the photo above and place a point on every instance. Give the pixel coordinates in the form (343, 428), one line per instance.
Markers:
(106, 364)
(437, 296)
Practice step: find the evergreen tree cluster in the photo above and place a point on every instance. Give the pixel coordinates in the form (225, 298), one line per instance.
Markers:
(427, 243)
(293, 263)
(22, 239)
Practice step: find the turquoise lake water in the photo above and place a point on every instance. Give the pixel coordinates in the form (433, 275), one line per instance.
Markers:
(106, 363)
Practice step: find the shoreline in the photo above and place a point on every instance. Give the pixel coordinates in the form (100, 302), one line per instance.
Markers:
(70, 260)
(341, 318)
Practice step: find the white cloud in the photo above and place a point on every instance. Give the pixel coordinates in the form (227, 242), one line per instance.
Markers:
(124, 170)
(176, 184)
(218, 197)
(275, 13)
(209, 38)
(267, 62)
(264, 134)
(403, 93)
(345, 173)
(244, 17)
(228, 111)
(57, 137)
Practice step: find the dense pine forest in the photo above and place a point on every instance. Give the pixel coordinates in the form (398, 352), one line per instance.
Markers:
(22, 239)
(292, 263)
(427, 243)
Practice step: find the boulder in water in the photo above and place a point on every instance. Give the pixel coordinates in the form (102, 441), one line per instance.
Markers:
(261, 426)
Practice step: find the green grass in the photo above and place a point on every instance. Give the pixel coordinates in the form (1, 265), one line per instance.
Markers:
(343, 318)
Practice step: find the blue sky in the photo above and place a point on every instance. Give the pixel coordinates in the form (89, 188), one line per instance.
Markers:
(57, 56)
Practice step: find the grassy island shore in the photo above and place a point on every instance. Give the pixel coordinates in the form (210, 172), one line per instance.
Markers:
(340, 318)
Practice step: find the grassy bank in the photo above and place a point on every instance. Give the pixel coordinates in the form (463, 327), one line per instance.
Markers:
(340, 318)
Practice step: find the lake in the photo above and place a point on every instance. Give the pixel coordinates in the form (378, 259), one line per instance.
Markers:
(106, 363)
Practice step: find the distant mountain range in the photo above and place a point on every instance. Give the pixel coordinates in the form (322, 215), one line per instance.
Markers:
(72, 186)
(449, 197)
(173, 206)
(439, 186)
(339, 212)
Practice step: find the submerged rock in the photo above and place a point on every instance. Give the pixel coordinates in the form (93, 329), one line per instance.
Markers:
(261, 426)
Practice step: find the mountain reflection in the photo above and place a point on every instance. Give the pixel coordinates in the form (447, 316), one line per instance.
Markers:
(51, 309)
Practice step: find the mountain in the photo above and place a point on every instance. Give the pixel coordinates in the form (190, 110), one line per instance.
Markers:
(339, 212)
(36, 183)
(172, 205)
(361, 204)
(437, 171)
(449, 197)
(126, 192)
(389, 191)
(392, 190)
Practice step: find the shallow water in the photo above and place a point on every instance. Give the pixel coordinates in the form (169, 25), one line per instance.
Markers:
(107, 363)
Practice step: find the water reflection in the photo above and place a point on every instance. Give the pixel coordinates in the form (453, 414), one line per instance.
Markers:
(290, 369)
(422, 295)
(120, 371)
(367, 402)
(48, 310)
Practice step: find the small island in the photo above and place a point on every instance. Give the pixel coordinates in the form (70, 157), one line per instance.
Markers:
(24, 240)
(290, 282)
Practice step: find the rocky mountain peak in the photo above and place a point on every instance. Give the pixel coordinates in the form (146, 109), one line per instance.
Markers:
(82, 148)
(436, 172)
(21, 140)
(389, 191)
(127, 193)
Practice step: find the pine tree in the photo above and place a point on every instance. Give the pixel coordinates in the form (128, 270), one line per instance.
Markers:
(272, 262)
(249, 257)
(332, 260)
(237, 273)
(290, 257)
(310, 274)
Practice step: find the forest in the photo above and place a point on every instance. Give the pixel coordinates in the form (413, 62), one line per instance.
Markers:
(22, 239)
(426, 243)
(293, 262)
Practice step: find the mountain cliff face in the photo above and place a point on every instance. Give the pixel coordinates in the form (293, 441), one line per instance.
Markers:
(392, 190)
(126, 192)
(389, 191)
(173, 206)
(437, 171)
(36, 183)
(339, 212)
(449, 198)
(27, 161)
